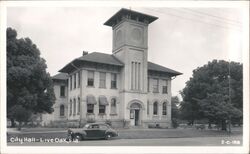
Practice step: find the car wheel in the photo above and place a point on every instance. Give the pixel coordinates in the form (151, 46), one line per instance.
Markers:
(108, 136)
(78, 138)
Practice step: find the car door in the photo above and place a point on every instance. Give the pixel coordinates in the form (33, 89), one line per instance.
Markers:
(92, 131)
(102, 130)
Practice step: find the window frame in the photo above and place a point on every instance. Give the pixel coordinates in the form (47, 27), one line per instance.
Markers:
(164, 108)
(91, 80)
(156, 90)
(113, 82)
(90, 107)
(102, 81)
(155, 108)
(62, 110)
(62, 87)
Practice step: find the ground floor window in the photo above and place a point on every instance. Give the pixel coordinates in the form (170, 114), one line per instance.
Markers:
(113, 106)
(70, 107)
(90, 108)
(62, 110)
(102, 109)
(164, 108)
(155, 108)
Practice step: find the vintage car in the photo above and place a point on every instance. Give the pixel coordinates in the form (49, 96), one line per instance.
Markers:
(92, 131)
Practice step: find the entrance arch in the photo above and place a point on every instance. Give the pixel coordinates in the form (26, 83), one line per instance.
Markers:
(136, 108)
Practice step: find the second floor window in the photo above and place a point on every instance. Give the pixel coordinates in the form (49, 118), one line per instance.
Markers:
(90, 108)
(74, 81)
(164, 87)
(90, 78)
(70, 82)
(62, 91)
(102, 80)
(155, 85)
(113, 81)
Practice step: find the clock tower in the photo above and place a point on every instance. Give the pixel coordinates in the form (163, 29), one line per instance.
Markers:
(130, 46)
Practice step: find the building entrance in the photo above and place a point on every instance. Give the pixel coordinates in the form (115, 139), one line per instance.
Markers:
(135, 119)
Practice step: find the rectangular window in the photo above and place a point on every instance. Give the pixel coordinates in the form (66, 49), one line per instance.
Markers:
(70, 83)
(113, 81)
(148, 85)
(90, 78)
(102, 83)
(74, 81)
(79, 79)
(164, 87)
(102, 109)
(147, 107)
(90, 108)
(155, 85)
(62, 91)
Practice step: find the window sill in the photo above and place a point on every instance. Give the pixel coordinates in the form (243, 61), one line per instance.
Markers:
(156, 92)
(113, 114)
(90, 86)
(90, 114)
(62, 96)
(102, 87)
(101, 114)
(115, 88)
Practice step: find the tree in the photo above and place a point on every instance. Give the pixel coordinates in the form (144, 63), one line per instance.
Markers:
(174, 107)
(29, 86)
(214, 94)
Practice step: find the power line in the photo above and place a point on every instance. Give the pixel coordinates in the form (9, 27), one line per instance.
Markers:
(219, 17)
(217, 25)
(202, 15)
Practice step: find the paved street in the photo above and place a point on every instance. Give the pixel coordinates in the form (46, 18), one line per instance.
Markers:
(198, 141)
(131, 137)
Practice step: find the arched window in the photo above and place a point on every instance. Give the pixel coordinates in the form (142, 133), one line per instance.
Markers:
(70, 107)
(62, 110)
(113, 106)
(155, 108)
(78, 106)
(74, 107)
(164, 108)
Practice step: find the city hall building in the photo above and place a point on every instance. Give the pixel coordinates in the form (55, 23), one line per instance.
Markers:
(122, 88)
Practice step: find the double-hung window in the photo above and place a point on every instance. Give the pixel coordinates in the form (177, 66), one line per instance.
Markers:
(113, 80)
(90, 78)
(102, 83)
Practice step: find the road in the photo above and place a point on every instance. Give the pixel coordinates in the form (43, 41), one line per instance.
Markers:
(196, 141)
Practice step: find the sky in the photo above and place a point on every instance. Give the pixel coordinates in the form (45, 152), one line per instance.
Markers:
(181, 39)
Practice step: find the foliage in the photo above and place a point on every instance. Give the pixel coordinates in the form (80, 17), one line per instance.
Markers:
(174, 107)
(206, 94)
(29, 86)
(175, 123)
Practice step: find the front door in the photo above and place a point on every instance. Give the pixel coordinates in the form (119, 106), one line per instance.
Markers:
(137, 117)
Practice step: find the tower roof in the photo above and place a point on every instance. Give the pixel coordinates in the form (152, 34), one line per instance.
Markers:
(130, 14)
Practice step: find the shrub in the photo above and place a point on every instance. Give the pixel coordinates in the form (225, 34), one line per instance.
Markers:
(175, 123)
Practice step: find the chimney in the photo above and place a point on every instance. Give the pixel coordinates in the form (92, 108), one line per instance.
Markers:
(84, 53)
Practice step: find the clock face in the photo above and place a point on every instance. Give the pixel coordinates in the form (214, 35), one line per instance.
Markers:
(136, 34)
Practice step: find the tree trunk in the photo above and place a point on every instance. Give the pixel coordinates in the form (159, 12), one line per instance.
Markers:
(13, 124)
(19, 125)
(209, 125)
(223, 125)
